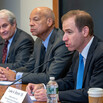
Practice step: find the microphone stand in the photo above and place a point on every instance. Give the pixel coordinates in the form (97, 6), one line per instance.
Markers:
(31, 71)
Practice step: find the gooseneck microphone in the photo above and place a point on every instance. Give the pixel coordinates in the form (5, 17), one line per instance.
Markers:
(31, 71)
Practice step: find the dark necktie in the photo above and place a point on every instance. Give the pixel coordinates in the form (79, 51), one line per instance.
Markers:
(5, 51)
(42, 56)
(80, 73)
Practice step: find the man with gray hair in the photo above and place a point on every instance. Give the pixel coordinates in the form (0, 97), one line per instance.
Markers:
(48, 46)
(16, 44)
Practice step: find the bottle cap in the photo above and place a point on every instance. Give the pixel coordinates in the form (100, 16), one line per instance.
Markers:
(52, 78)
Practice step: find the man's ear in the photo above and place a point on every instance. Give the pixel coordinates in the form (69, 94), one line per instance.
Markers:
(85, 31)
(14, 24)
(49, 22)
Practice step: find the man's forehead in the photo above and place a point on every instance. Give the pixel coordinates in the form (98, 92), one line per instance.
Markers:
(69, 21)
(34, 16)
(36, 13)
(4, 20)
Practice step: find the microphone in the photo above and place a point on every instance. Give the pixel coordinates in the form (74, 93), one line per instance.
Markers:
(31, 71)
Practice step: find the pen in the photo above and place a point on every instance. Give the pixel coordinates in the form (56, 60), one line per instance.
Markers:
(32, 92)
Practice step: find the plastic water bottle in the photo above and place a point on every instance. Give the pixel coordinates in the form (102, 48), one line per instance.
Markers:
(52, 91)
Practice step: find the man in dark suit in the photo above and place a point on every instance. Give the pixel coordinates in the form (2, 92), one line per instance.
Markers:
(1, 47)
(42, 23)
(79, 36)
(20, 44)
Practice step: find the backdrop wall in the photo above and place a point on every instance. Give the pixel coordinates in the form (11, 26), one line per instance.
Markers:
(22, 9)
(94, 7)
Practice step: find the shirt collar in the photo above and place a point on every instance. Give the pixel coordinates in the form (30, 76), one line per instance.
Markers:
(86, 49)
(47, 40)
(10, 40)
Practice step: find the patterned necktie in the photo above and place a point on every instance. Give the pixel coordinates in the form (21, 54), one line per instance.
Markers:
(42, 56)
(80, 73)
(5, 51)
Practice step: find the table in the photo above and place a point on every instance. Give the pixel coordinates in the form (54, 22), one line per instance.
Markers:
(21, 87)
(18, 86)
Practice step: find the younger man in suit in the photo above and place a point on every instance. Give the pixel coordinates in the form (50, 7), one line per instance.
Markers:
(42, 21)
(79, 36)
(19, 44)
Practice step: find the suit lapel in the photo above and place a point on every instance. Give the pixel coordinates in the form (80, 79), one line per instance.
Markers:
(38, 49)
(13, 44)
(50, 45)
(89, 56)
(1, 48)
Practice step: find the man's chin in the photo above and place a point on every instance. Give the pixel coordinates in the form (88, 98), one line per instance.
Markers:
(4, 37)
(70, 49)
(34, 34)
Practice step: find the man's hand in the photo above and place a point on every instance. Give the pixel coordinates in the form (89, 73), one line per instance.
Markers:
(40, 95)
(31, 88)
(6, 74)
(2, 75)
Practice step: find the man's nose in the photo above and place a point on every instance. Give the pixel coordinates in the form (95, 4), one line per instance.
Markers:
(64, 37)
(31, 23)
(1, 30)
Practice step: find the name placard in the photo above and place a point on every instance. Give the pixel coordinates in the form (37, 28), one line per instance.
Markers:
(13, 95)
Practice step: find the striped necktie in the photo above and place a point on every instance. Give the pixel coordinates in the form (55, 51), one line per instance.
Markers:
(5, 51)
(80, 73)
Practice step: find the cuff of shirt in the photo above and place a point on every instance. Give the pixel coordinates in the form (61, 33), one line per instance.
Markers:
(44, 85)
(18, 76)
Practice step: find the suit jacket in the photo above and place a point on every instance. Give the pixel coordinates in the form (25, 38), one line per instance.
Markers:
(57, 67)
(1, 46)
(93, 75)
(20, 50)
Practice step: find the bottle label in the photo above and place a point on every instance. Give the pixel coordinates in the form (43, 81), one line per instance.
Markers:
(52, 90)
